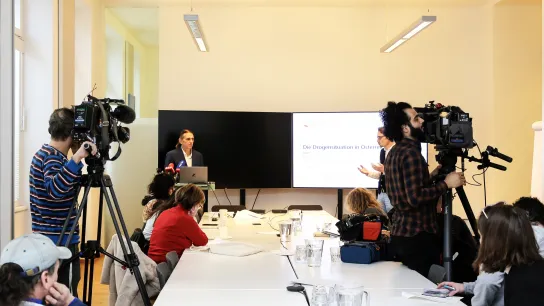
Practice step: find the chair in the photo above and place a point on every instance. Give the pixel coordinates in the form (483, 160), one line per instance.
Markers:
(437, 274)
(258, 211)
(163, 272)
(305, 207)
(172, 259)
(231, 208)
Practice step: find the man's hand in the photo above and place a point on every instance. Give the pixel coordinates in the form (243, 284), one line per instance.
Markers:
(455, 179)
(82, 153)
(378, 167)
(435, 171)
(59, 295)
(363, 170)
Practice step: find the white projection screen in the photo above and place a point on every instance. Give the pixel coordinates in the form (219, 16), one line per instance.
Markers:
(328, 148)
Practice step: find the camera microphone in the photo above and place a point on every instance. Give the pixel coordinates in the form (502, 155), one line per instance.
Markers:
(495, 152)
(124, 114)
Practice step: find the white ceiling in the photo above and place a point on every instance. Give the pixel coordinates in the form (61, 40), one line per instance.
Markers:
(200, 3)
(142, 22)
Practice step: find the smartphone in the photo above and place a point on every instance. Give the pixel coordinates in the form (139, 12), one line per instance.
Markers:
(256, 223)
(208, 224)
(442, 293)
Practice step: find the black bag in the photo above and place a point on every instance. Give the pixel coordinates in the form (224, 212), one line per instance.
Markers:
(359, 227)
(138, 237)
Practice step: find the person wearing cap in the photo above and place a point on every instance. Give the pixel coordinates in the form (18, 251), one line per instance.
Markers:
(29, 270)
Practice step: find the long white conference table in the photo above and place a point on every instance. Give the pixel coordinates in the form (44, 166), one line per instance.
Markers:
(203, 278)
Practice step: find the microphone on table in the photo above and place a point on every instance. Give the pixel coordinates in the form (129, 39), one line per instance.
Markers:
(177, 174)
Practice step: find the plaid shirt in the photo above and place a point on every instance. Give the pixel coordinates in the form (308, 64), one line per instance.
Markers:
(410, 190)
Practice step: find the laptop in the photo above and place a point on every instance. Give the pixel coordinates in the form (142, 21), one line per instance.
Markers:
(195, 175)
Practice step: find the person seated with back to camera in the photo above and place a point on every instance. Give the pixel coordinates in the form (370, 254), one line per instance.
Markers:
(535, 212)
(29, 268)
(362, 201)
(176, 228)
(507, 243)
(160, 190)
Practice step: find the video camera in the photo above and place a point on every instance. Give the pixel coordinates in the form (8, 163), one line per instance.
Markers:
(97, 121)
(446, 126)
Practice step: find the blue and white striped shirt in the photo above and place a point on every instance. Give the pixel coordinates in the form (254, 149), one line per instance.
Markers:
(53, 184)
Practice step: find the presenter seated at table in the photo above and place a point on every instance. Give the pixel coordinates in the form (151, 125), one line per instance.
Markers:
(184, 155)
(176, 229)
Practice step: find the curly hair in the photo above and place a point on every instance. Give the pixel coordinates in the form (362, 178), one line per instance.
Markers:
(14, 287)
(360, 199)
(393, 118)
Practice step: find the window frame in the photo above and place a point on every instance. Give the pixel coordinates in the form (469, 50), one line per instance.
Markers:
(19, 106)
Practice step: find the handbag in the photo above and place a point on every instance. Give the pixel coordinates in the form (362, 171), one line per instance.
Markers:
(360, 253)
(358, 227)
(138, 237)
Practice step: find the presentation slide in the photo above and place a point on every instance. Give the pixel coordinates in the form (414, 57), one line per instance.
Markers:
(329, 147)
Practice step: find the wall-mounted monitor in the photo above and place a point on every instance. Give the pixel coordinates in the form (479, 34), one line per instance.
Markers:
(328, 148)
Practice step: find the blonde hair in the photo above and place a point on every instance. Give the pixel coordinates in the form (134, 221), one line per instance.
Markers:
(360, 199)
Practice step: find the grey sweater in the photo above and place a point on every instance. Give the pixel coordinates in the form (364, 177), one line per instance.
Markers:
(488, 289)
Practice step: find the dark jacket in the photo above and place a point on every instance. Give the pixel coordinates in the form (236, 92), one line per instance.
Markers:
(176, 156)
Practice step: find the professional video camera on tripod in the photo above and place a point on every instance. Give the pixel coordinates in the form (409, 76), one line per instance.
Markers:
(98, 122)
(450, 130)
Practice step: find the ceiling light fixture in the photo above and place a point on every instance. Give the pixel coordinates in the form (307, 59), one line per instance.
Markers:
(194, 28)
(410, 32)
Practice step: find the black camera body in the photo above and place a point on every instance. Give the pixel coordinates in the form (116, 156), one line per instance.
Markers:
(447, 127)
(97, 121)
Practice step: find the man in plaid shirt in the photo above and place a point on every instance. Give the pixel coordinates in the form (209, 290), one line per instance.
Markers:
(411, 190)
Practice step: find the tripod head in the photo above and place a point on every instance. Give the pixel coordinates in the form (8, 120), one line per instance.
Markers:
(448, 157)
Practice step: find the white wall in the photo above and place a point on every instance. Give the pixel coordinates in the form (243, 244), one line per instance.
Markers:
(38, 89)
(6, 122)
(328, 59)
(82, 83)
(115, 64)
(537, 182)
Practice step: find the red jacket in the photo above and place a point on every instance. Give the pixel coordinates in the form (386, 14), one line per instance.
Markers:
(174, 230)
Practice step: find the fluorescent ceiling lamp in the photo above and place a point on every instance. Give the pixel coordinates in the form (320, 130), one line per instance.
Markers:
(410, 32)
(194, 28)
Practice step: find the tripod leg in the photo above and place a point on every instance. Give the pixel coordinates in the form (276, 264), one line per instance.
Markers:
(123, 236)
(468, 211)
(447, 198)
(70, 212)
(78, 216)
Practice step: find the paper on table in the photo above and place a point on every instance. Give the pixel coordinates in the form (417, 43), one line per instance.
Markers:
(448, 300)
(247, 215)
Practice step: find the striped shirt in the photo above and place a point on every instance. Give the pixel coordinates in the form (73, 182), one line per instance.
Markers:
(53, 184)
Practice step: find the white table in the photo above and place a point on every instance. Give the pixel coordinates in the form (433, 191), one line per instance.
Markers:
(202, 278)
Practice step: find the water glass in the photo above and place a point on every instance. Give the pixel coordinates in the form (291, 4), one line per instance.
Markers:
(320, 297)
(300, 254)
(351, 296)
(286, 231)
(314, 251)
(223, 232)
(335, 254)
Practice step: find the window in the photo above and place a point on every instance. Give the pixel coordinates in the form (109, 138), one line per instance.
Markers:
(18, 105)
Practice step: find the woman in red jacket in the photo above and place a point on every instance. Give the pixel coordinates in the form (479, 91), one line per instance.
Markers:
(176, 229)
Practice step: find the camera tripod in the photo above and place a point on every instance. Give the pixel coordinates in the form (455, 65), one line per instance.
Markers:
(92, 249)
(447, 157)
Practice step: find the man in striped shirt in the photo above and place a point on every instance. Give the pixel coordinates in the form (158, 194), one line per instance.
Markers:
(411, 189)
(53, 183)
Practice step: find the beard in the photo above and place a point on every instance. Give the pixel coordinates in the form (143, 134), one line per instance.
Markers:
(417, 134)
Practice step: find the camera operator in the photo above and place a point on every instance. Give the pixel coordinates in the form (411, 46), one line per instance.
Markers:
(410, 187)
(53, 183)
